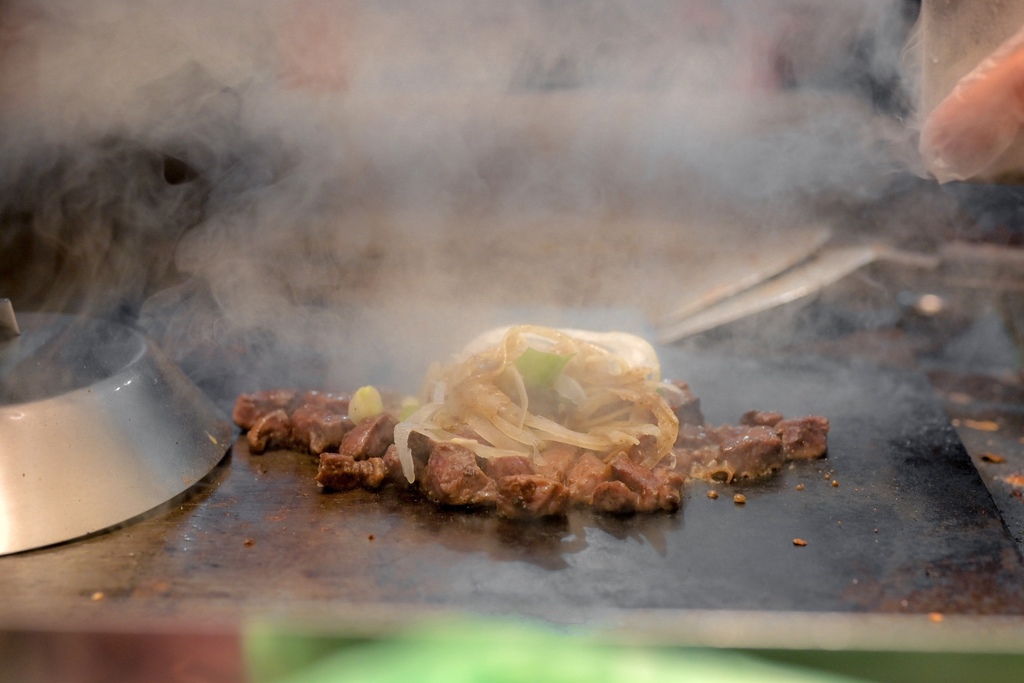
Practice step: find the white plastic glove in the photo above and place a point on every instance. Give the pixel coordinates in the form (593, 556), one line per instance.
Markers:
(977, 122)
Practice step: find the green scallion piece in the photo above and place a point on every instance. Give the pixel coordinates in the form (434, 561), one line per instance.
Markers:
(540, 368)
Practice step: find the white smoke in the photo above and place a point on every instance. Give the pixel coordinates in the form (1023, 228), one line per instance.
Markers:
(348, 187)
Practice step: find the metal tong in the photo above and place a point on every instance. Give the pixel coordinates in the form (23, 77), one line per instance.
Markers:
(824, 267)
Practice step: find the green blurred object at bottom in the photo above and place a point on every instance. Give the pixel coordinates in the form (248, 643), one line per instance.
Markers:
(500, 652)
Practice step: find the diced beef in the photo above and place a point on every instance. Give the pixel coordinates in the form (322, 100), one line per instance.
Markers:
(340, 472)
(370, 438)
(319, 427)
(699, 463)
(272, 430)
(693, 436)
(668, 462)
(452, 477)
(393, 467)
(249, 408)
(527, 496)
(638, 478)
(615, 498)
(421, 446)
(804, 437)
(554, 462)
(760, 418)
(753, 452)
(655, 490)
(507, 466)
(670, 495)
(336, 403)
(686, 406)
(585, 476)
(647, 447)
(727, 432)
(519, 486)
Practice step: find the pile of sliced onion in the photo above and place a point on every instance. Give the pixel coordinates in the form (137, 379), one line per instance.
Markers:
(612, 380)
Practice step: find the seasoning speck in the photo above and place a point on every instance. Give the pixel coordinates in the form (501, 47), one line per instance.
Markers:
(799, 487)
(248, 543)
(993, 458)
(982, 425)
(1015, 480)
(835, 484)
(370, 537)
(712, 494)
(739, 499)
(97, 596)
(935, 617)
(799, 542)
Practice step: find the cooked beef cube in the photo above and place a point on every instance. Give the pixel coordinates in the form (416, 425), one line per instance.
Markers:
(614, 497)
(655, 490)
(687, 406)
(727, 432)
(670, 496)
(693, 436)
(393, 467)
(521, 486)
(272, 430)
(319, 427)
(507, 466)
(588, 472)
(527, 496)
(696, 461)
(251, 407)
(452, 477)
(638, 478)
(668, 462)
(337, 403)
(340, 472)
(754, 452)
(370, 438)
(804, 437)
(421, 445)
(760, 418)
(646, 448)
(555, 461)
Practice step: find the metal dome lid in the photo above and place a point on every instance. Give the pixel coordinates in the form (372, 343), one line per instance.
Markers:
(96, 427)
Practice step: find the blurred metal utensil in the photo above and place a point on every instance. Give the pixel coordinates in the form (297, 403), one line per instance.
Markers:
(8, 323)
(825, 267)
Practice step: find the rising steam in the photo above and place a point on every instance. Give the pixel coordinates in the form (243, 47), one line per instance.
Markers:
(332, 192)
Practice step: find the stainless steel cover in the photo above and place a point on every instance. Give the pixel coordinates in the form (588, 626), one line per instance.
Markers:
(96, 427)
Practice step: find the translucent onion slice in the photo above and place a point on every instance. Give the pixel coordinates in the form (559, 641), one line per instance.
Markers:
(565, 435)
(403, 430)
(483, 450)
(524, 398)
(635, 351)
(521, 440)
(571, 390)
(612, 385)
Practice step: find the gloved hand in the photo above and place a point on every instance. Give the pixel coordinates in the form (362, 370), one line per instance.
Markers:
(980, 119)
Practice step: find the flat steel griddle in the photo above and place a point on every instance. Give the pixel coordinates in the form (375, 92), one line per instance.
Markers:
(909, 528)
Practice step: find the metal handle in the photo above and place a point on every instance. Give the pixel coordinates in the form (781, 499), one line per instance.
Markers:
(8, 323)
